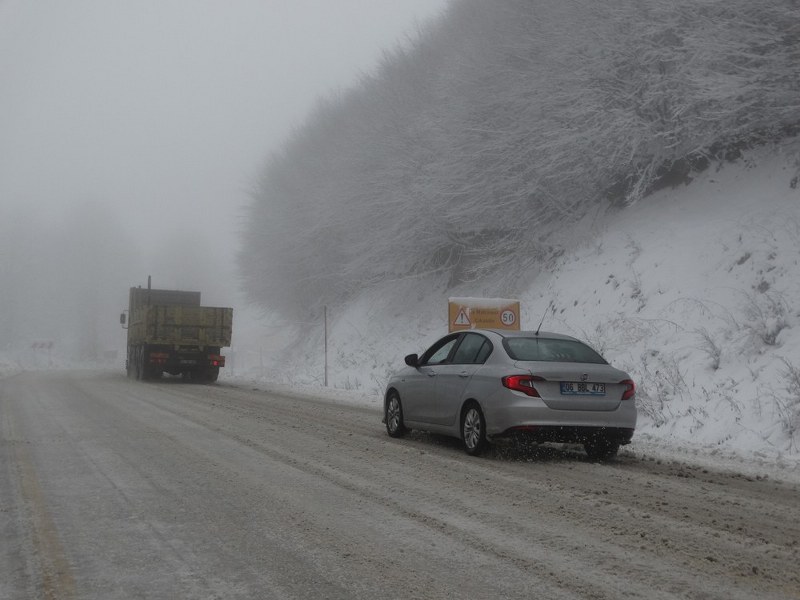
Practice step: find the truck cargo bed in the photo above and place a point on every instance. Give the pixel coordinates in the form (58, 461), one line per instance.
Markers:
(182, 325)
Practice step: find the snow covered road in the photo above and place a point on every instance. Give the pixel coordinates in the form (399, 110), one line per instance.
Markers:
(111, 488)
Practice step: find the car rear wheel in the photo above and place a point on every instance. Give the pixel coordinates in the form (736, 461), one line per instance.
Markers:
(394, 416)
(601, 449)
(473, 430)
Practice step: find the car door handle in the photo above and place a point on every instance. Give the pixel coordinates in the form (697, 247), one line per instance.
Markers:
(463, 374)
(431, 373)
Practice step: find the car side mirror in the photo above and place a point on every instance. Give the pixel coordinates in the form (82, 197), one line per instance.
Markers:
(412, 360)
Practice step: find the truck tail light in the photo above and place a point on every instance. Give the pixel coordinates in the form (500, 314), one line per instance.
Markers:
(630, 389)
(216, 360)
(523, 383)
(159, 358)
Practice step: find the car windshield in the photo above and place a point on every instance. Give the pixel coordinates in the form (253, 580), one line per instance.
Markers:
(550, 350)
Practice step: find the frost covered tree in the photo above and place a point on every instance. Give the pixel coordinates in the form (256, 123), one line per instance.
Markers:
(476, 147)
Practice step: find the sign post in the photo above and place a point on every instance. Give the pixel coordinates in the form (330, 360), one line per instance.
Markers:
(483, 313)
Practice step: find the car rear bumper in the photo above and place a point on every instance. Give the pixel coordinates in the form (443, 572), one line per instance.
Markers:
(531, 417)
(568, 434)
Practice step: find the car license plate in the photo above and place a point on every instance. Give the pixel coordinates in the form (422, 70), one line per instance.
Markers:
(574, 388)
(187, 361)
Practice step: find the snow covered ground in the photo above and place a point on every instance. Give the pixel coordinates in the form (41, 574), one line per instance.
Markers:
(694, 291)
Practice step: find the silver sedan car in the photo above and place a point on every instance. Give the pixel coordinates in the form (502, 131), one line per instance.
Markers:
(478, 385)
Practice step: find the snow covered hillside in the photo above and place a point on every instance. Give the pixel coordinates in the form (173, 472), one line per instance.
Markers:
(505, 118)
(694, 290)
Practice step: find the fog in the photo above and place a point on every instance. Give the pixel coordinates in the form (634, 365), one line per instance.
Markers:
(131, 135)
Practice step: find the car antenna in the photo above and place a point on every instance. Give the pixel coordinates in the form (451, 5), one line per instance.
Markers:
(543, 316)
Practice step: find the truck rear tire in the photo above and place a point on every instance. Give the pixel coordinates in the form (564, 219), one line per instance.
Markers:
(206, 375)
(138, 364)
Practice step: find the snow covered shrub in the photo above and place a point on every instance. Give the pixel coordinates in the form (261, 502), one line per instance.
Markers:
(709, 345)
(765, 315)
(660, 385)
(789, 405)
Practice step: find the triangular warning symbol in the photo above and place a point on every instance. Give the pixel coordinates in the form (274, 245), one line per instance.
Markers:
(462, 318)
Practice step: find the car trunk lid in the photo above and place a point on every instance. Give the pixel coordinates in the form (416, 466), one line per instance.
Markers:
(578, 386)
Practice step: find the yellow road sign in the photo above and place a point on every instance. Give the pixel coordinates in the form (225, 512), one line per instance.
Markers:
(484, 313)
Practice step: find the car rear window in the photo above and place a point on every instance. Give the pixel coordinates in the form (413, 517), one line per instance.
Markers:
(550, 350)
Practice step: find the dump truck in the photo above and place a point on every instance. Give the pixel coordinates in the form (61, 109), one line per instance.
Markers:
(169, 332)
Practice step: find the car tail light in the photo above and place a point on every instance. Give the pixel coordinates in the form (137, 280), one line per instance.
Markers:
(630, 389)
(523, 383)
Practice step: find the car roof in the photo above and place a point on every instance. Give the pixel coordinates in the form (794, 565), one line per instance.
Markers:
(505, 333)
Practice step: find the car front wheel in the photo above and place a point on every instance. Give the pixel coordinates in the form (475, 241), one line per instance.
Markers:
(473, 430)
(394, 416)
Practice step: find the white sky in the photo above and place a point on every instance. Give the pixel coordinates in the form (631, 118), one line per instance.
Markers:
(166, 109)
